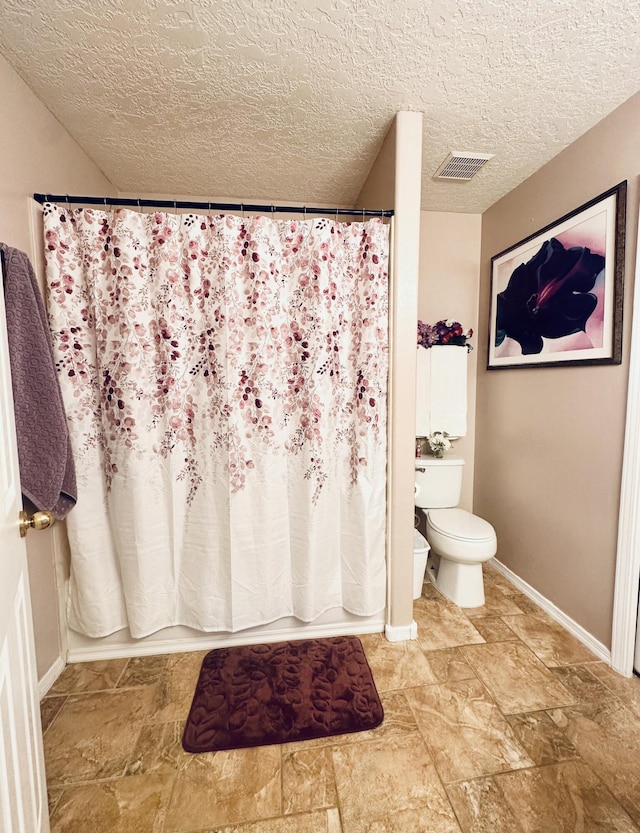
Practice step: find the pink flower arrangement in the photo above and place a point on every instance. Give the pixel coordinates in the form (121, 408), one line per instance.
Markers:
(443, 332)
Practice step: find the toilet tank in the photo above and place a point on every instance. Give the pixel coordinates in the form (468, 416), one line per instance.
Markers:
(438, 482)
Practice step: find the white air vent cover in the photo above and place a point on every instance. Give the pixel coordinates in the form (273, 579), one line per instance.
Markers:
(461, 165)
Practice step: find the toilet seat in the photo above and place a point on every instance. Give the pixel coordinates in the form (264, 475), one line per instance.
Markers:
(460, 536)
(460, 525)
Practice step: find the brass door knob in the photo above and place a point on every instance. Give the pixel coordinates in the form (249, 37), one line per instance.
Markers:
(39, 520)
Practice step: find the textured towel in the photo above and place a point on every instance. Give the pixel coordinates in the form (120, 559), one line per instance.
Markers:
(47, 472)
(441, 390)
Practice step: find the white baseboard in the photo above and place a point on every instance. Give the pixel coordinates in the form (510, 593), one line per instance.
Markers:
(600, 650)
(50, 677)
(210, 641)
(401, 633)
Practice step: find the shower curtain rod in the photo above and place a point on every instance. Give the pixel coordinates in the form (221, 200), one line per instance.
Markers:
(222, 206)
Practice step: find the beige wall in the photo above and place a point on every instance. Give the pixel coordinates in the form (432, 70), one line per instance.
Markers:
(37, 155)
(394, 182)
(449, 268)
(550, 440)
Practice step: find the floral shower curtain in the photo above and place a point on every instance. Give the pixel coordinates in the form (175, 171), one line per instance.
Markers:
(225, 384)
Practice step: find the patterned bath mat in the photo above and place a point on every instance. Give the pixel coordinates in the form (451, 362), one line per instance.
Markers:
(288, 691)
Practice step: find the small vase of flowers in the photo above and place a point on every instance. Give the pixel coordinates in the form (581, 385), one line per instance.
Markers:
(439, 442)
(443, 332)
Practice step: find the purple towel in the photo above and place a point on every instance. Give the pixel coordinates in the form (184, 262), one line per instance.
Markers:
(47, 472)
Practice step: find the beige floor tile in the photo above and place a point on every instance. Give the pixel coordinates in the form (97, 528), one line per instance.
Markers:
(443, 625)
(396, 664)
(563, 798)
(549, 641)
(380, 780)
(516, 678)
(607, 738)
(158, 749)
(334, 822)
(498, 580)
(430, 592)
(481, 807)
(493, 629)
(323, 821)
(449, 665)
(496, 603)
(175, 689)
(53, 796)
(308, 782)
(581, 682)
(49, 708)
(94, 734)
(527, 605)
(626, 688)
(465, 731)
(143, 671)
(398, 721)
(408, 821)
(545, 742)
(222, 788)
(88, 676)
(123, 805)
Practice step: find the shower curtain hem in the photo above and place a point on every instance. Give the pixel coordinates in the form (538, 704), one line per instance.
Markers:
(200, 629)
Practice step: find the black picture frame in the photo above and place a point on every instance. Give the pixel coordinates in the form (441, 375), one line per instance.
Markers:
(557, 295)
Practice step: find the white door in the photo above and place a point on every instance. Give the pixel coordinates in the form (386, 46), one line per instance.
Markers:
(23, 796)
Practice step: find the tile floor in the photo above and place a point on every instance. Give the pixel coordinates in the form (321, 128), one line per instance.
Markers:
(496, 719)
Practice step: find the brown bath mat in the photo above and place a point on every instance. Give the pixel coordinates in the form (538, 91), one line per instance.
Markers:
(287, 691)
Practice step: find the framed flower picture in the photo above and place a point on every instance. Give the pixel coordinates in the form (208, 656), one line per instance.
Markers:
(556, 297)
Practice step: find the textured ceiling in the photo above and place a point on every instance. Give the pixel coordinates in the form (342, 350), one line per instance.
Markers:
(289, 100)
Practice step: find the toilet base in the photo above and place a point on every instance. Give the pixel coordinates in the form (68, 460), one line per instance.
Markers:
(462, 584)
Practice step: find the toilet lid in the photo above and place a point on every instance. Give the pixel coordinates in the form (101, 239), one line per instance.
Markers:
(458, 523)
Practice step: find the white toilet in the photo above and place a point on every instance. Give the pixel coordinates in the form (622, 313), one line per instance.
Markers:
(462, 541)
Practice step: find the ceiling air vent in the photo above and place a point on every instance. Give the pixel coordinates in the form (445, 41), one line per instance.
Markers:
(462, 166)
